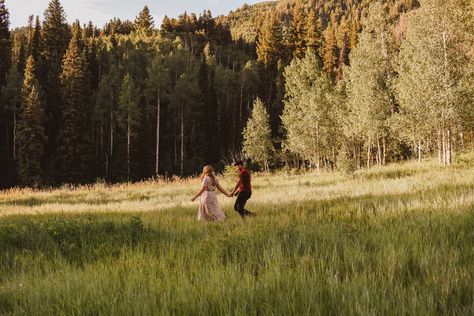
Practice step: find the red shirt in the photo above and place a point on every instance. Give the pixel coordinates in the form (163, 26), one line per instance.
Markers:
(244, 181)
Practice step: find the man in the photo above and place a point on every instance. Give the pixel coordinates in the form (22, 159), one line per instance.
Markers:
(243, 190)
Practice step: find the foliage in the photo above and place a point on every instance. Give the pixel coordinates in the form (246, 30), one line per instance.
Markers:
(257, 143)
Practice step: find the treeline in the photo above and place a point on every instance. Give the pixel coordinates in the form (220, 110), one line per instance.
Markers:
(123, 102)
(408, 91)
(333, 82)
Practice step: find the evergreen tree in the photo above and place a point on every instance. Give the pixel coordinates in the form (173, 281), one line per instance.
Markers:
(329, 51)
(106, 110)
(313, 36)
(74, 141)
(31, 139)
(55, 37)
(166, 25)
(158, 86)
(269, 45)
(5, 43)
(34, 42)
(257, 144)
(185, 99)
(208, 113)
(299, 31)
(11, 99)
(144, 21)
(129, 116)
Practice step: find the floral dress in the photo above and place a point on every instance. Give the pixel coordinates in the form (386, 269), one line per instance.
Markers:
(209, 209)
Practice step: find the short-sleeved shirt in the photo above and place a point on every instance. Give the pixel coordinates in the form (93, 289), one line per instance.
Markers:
(208, 185)
(245, 181)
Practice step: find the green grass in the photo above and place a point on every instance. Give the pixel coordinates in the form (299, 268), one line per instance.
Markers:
(397, 240)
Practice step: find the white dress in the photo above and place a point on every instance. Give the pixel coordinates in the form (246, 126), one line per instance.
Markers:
(209, 209)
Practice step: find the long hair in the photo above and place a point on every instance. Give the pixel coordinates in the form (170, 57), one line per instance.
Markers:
(208, 171)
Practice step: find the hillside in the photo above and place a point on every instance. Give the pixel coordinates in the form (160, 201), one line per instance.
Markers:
(246, 22)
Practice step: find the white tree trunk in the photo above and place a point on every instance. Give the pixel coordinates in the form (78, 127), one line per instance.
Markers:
(157, 150)
(129, 140)
(182, 142)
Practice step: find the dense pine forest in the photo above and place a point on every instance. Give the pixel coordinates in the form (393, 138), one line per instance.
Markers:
(336, 84)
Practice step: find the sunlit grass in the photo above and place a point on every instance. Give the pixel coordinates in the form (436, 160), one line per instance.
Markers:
(395, 240)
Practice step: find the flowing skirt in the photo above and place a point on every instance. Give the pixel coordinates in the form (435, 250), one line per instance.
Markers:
(209, 209)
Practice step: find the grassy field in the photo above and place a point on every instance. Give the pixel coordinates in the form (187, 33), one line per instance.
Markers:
(396, 240)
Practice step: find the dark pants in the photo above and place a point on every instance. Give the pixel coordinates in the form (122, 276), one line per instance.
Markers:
(239, 206)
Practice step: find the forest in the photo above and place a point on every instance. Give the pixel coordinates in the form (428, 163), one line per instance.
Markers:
(304, 84)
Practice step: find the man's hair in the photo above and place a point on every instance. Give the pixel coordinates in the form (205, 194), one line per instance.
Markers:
(239, 163)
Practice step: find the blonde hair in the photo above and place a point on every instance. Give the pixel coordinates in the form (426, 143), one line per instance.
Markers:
(208, 171)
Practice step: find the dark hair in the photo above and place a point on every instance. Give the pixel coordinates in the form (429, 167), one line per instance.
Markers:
(239, 163)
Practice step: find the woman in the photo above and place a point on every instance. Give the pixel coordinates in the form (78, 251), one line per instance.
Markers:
(209, 209)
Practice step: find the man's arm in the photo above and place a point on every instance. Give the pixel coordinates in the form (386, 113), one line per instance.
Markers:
(236, 187)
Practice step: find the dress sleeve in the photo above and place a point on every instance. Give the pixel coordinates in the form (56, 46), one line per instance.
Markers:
(205, 182)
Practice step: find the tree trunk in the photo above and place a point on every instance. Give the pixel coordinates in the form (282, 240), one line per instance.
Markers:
(219, 135)
(270, 90)
(101, 141)
(129, 138)
(384, 151)
(14, 133)
(157, 149)
(443, 133)
(111, 150)
(440, 147)
(182, 142)
(449, 158)
(368, 153)
(241, 105)
(379, 152)
(419, 151)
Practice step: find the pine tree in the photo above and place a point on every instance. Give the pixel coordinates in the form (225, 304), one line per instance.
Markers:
(31, 139)
(269, 44)
(144, 21)
(106, 109)
(74, 141)
(158, 85)
(129, 116)
(5, 43)
(329, 51)
(166, 25)
(185, 99)
(208, 112)
(299, 31)
(55, 37)
(257, 144)
(11, 100)
(34, 42)
(313, 36)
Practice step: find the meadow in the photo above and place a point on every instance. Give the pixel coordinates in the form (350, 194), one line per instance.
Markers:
(395, 240)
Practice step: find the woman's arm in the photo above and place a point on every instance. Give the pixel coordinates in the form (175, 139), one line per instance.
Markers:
(198, 194)
(223, 190)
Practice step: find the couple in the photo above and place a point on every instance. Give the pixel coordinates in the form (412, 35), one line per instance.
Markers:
(209, 209)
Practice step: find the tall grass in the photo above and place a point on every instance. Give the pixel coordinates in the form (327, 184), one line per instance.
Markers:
(396, 240)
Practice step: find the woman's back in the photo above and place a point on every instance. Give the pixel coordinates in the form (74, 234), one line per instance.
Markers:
(209, 183)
